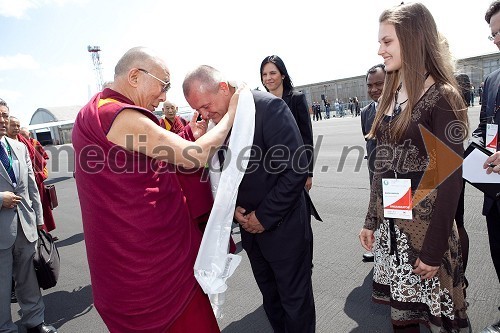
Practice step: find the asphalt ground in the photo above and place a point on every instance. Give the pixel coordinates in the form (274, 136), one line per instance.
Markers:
(341, 280)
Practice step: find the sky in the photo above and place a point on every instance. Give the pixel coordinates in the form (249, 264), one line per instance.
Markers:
(44, 60)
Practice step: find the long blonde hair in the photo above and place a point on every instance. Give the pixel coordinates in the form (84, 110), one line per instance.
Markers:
(423, 50)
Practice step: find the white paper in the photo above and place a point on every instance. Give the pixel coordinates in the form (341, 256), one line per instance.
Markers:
(473, 169)
(396, 198)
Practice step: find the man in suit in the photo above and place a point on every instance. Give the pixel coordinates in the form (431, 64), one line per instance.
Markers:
(271, 208)
(375, 78)
(20, 216)
(491, 115)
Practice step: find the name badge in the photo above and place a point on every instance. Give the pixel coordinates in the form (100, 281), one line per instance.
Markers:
(396, 196)
(491, 137)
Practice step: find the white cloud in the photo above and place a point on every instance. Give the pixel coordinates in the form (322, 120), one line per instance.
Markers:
(18, 8)
(18, 61)
(15, 8)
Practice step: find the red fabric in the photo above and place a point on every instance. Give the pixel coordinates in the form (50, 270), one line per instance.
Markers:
(141, 246)
(197, 190)
(38, 157)
(197, 317)
(177, 125)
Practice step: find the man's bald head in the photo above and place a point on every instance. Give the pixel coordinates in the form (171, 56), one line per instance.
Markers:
(13, 127)
(143, 77)
(137, 57)
(24, 132)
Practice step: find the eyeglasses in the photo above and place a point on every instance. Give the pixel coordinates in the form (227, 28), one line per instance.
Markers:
(493, 35)
(166, 85)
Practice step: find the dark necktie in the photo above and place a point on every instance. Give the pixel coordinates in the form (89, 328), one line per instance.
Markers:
(7, 163)
(222, 156)
(223, 151)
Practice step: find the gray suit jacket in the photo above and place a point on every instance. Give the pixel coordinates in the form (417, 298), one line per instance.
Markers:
(29, 208)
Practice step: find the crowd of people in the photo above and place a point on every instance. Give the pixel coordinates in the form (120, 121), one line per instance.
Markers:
(146, 206)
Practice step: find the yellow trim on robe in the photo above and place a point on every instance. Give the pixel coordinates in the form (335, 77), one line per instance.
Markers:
(167, 124)
(106, 101)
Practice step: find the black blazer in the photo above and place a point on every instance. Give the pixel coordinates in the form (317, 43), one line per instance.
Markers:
(367, 117)
(297, 103)
(273, 184)
(491, 96)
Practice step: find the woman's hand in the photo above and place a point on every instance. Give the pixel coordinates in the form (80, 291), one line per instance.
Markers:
(425, 271)
(366, 238)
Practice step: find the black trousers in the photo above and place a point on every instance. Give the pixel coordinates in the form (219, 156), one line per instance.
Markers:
(493, 223)
(286, 288)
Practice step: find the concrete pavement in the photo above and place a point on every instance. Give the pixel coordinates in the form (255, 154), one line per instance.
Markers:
(342, 282)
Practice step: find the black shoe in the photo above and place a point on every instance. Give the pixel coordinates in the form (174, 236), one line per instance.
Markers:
(368, 256)
(42, 328)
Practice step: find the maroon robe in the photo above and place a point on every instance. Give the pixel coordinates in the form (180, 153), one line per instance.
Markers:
(141, 246)
(176, 126)
(38, 157)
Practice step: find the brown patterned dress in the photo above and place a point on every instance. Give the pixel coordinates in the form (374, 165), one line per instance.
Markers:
(427, 154)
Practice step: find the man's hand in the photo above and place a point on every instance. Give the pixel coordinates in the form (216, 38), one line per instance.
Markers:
(239, 215)
(366, 238)
(492, 163)
(425, 271)
(197, 127)
(10, 200)
(39, 227)
(249, 222)
(309, 183)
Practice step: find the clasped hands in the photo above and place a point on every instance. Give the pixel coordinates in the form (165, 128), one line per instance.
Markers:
(248, 221)
(420, 268)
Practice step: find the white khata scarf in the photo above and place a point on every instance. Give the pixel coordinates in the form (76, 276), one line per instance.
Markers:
(214, 265)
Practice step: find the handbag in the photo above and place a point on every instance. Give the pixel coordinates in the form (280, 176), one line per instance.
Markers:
(46, 260)
(50, 192)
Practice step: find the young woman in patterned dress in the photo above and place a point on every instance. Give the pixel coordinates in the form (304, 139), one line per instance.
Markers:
(420, 132)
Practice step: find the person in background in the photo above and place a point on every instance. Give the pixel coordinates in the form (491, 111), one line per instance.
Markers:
(357, 107)
(13, 127)
(317, 111)
(490, 115)
(140, 239)
(171, 121)
(375, 78)
(20, 216)
(472, 93)
(480, 92)
(418, 266)
(271, 205)
(275, 78)
(38, 146)
(336, 107)
(39, 158)
(327, 109)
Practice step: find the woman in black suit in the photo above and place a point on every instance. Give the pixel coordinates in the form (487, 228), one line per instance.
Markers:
(275, 79)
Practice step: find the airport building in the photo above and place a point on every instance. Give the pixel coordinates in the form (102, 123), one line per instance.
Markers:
(344, 89)
(54, 125)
